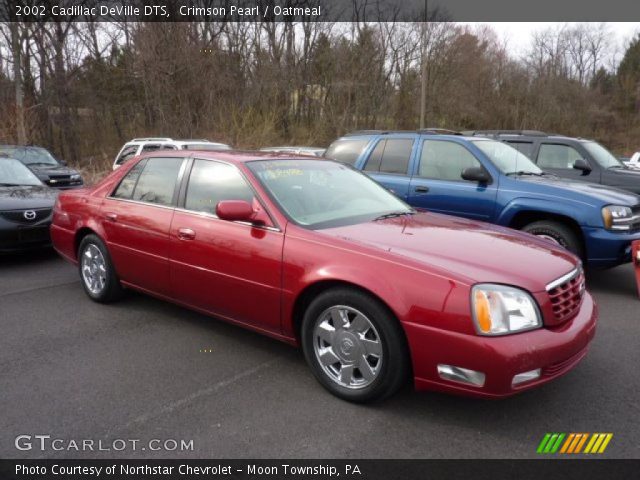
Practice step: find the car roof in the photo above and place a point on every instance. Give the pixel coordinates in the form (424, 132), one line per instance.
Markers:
(23, 146)
(137, 141)
(238, 156)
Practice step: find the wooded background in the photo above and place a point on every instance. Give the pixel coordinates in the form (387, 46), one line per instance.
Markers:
(83, 89)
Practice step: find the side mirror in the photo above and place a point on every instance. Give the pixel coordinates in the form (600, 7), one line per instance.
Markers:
(235, 210)
(62, 162)
(475, 174)
(582, 165)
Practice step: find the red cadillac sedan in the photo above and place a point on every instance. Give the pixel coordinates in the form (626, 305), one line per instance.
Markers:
(316, 254)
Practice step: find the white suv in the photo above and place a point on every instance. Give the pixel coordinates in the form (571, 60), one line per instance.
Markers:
(143, 145)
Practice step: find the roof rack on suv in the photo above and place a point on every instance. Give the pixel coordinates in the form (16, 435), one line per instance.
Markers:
(430, 131)
(152, 139)
(531, 133)
(439, 131)
(196, 140)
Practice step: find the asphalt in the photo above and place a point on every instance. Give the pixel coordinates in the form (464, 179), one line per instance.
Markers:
(142, 369)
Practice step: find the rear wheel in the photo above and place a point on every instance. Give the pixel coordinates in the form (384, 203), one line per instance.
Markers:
(96, 270)
(354, 346)
(557, 233)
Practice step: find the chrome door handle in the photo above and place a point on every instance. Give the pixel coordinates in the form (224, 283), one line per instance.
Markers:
(186, 234)
(112, 217)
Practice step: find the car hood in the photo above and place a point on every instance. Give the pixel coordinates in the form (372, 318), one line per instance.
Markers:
(24, 197)
(52, 170)
(591, 193)
(471, 251)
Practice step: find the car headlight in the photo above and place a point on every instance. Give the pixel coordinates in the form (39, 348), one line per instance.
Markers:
(500, 310)
(617, 217)
(75, 177)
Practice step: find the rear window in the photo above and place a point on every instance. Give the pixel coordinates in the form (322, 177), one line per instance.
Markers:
(391, 156)
(347, 150)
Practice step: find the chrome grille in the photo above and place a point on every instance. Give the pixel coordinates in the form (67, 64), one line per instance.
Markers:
(566, 295)
(18, 216)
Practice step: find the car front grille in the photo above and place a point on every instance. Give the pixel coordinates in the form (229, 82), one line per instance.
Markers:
(566, 295)
(635, 226)
(61, 181)
(27, 216)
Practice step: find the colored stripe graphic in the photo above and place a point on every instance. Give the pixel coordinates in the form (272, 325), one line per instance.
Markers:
(573, 443)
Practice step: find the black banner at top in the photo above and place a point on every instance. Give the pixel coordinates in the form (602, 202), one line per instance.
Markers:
(317, 10)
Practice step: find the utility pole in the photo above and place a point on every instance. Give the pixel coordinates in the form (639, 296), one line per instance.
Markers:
(423, 73)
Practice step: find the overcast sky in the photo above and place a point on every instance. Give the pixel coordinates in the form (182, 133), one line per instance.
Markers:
(518, 34)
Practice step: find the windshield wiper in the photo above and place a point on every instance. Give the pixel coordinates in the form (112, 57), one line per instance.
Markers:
(616, 167)
(394, 214)
(522, 172)
(42, 163)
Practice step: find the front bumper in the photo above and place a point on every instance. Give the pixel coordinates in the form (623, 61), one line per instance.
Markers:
(15, 238)
(553, 350)
(607, 249)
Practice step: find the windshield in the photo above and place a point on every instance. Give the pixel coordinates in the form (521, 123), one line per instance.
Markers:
(602, 155)
(30, 155)
(12, 172)
(506, 158)
(322, 194)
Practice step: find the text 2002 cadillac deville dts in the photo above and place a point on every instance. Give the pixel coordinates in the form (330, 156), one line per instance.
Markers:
(316, 254)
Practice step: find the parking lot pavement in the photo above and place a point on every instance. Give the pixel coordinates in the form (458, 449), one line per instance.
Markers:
(144, 369)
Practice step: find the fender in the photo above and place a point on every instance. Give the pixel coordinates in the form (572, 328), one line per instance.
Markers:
(556, 207)
(396, 294)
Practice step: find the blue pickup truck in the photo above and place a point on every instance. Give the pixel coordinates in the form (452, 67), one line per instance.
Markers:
(488, 180)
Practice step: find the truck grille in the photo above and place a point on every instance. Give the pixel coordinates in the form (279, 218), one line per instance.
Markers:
(566, 295)
(27, 216)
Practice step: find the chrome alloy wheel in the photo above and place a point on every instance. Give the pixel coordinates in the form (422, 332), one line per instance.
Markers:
(94, 270)
(348, 347)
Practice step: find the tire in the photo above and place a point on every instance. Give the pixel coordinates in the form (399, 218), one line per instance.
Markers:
(93, 258)
(366, 358)
(557, 233)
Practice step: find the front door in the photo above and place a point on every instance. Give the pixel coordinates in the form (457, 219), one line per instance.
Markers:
(438, 186)
(230, 269)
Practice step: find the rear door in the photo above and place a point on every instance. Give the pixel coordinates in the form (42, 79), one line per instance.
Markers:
(136, 219)
(389, 163)
(558, 158)
(231, 269)
(437, 184)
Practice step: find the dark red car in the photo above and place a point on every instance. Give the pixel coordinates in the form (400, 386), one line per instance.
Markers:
(316, 254)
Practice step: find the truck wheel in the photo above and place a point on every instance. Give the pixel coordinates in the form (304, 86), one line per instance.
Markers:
(557, 233)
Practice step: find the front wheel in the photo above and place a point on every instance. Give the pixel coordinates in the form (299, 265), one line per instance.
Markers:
(557, 233)
(354, 346)
(97, 273)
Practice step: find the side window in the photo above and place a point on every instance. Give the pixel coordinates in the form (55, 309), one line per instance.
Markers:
(557, 156)
(157, 182)
(346, 151)
(391, 156)
(525, 148)
(128, 183)
(445, 160)
(126, 154)
(210, 182)
(396, 156)
(373, 164)
(151, 147)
